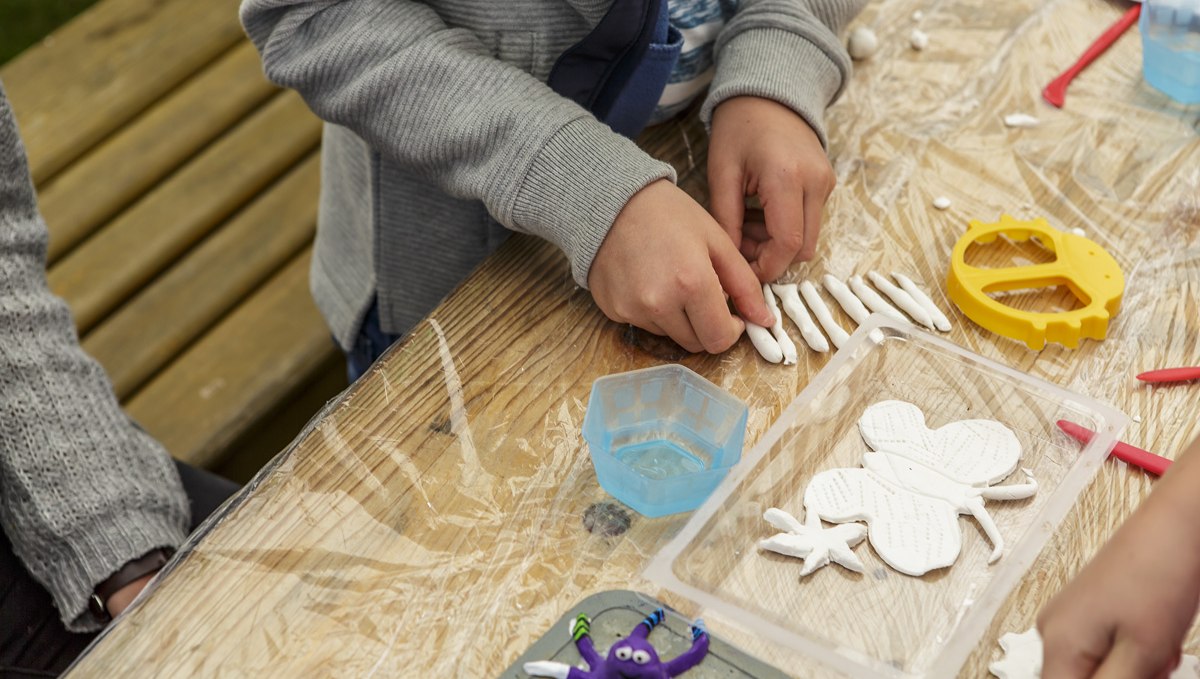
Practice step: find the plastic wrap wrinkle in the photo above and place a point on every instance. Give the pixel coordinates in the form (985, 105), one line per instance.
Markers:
(430, 521)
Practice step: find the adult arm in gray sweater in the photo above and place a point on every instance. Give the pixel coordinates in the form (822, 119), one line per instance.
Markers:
(83, 491)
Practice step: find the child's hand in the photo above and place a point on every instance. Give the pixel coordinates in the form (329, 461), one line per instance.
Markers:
(760, 147)
(665, 266)
(1126, 613)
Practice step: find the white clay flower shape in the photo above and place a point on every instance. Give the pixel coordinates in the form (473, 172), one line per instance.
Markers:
(911, 490)
(813, 542)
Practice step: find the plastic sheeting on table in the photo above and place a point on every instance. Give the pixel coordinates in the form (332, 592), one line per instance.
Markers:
(433, 520)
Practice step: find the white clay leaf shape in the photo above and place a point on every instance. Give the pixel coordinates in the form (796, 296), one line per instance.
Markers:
(911, 490)
(1023, 658)
(813, 542)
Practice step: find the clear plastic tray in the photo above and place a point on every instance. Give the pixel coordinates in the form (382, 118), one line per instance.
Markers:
(882, 623)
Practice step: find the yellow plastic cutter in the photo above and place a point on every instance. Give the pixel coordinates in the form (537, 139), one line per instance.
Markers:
(1084, 267)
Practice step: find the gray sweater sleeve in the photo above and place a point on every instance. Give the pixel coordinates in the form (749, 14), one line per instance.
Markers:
(785, 50)
(82, 490)
(432, 97)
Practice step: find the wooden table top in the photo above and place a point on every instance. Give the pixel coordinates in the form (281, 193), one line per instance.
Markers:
(428, 523)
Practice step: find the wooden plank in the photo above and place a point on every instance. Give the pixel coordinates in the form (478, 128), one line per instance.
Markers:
(153, 327)
(150, 146)
(101, 69)
(229, 380)
(151, 234)
(280, 427)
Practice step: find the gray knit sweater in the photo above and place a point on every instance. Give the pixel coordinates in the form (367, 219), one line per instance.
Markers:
(443, 134)
(82, 490)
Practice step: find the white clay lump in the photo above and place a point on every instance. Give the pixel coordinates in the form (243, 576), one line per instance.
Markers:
(764, 342)
(873, 301)
(813, 298)
(845, 298)
(902, 299)
(1020, 120)
(786, 346)
(918, 40)
(939, 319)
(789, 296)
(941, 202)
(862, 43)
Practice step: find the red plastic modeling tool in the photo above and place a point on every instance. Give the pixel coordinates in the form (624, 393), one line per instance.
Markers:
(1056, 91)
(1155, 464)
(1171, 375)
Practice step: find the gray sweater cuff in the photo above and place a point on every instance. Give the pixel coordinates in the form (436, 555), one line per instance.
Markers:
(101, 552)
(777, 64)
(576, 186)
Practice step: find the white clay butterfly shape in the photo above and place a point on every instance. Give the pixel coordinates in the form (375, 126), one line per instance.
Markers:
(912, 489)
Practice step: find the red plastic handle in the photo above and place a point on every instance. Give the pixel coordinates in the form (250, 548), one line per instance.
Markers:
(1056, 91)
(1170, 375)
(1155, 464)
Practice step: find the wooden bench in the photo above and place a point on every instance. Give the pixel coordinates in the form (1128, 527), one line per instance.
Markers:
(180, 190)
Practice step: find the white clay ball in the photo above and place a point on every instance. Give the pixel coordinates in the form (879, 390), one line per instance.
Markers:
(862, 44)
(941, 202)
(918, 39)
(918, 15)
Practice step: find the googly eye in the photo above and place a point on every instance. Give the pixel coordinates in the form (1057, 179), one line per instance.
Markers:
(624, 652)
(641, 657)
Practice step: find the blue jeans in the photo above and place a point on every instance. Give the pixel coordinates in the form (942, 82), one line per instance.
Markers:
(370, 344)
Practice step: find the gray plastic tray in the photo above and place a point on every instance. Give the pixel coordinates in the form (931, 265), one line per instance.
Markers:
(614, 614)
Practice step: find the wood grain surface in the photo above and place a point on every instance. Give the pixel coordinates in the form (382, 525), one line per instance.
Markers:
(434, 520)
(136, 245)
(85, 81)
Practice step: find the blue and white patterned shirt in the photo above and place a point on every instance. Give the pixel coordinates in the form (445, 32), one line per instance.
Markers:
(699, 21)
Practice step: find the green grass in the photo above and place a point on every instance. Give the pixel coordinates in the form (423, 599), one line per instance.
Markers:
(24, 22)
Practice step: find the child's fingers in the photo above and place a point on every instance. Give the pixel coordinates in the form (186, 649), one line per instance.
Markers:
(678, 327)
(740, 283)
(752, 230)
(1065, 664)
(813, 204)
(1128, 659)
(716, 328)
(784, 210)
(728, 195)
(1069, 651)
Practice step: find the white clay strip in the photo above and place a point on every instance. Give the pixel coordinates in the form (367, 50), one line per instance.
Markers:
(835, 332)
(873, 301)
(939, 319)
(786, 345)
(849, 303)
(762, 340)
(790, 298)
(902, 299)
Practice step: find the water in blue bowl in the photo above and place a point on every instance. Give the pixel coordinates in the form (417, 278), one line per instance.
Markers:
(659, 459)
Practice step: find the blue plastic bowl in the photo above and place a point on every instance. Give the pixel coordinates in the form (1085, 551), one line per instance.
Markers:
(661, 439)
(1171, 47)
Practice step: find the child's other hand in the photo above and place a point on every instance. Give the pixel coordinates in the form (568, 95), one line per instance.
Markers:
(760, 147)
(666, 266)
(1126, 613)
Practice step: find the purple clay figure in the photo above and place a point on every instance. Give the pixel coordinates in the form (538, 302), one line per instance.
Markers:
(630, 658)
